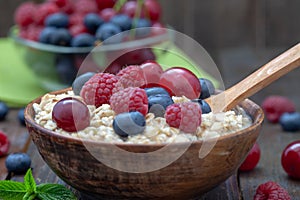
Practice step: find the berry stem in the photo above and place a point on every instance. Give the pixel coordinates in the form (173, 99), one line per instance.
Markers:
(118, 5)
(137, 14)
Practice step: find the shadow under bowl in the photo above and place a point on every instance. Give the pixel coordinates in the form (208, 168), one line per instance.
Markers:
(188, 176)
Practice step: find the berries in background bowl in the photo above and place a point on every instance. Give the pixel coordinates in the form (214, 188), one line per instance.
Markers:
(290, 159)
(252, 159)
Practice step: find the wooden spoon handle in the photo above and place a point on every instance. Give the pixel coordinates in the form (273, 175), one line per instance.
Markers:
(256, 81)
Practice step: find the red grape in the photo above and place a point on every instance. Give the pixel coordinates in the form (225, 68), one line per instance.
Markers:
(252, 159)
(152, 71)
(152, 10)
(71, 114)
(290, 159)
(107, 13)
(181, 82)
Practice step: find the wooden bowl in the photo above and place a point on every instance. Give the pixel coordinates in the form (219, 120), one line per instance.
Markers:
(186, 177)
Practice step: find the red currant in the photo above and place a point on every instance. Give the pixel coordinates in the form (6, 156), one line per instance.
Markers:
(252, 159)
(181, 82)
(152, 71)
(71, 114)
(4, 144)
(290, 159)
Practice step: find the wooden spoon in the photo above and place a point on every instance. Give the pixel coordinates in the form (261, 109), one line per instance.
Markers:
(256, 81)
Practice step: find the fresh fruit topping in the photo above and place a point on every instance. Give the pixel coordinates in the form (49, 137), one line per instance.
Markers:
(130, 99)
(99, 88)
(80, 81)
(65, 68)
(129, 123)
(156, 90)
(207, 88)
(18, 163)
(24, 14)
(123, 21)
(205, 108)
(131, 76)
(58, 20)
(290, 122)
(4, 144)
(252, 159)
(3, 110)
(108, 30)
(152, 71)
(186, 116)
(181, 82)
(71, 114)
(290, 159)
(83, 40)
(92, 21)
(271, 191)
(21, 116)
(158, 104)
(275, 106)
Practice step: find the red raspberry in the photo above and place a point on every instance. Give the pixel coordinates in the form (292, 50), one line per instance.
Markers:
(24, 14)
(271, 191)
(99, 88)
(33, 32)
(132, 76)
(44, 10)
(186, 116)
(275, 106)
(130, 99)
(85, 6)
(4, 144)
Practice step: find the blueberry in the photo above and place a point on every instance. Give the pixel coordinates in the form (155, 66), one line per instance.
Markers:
(80, 81)
(18, 163)
(61, 37)
(66, 69)
(142, 27)
(3, 110)
(83, 40)
(123, 21)
(155, 90)
(207, 88)
(204, 105)
(92, 21)
(45, 34)
(129, 123)
(158, 104)
(58, 20)
(290, 122)
(108, 30)
(21, 117)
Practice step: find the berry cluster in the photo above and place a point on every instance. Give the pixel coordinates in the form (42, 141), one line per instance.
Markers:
(135, 91)
(81, 23)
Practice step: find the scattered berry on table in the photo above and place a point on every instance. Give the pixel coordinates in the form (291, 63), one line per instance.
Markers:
(274, 106)
(83, 40)
(129, 123)
(290, 122)
(130, 99)
(18, 163)
(252, 159)
(99, 88)
(58, 20)
(207, 88)
(186, 116)
(152, 71)
(71, 114)
(290, 159)
(181, 81)
(92, 21)
(21, 117)
(156, 90)
(80, 81)
(106, 31)
(158, 104)
(204, 105)
(123, 21)
(131, 76)
(4, 144)
(271, 191)
(3, 110)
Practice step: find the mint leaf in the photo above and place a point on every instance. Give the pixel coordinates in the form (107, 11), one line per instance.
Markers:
(54, 192)
(29, 182)
(12, 190)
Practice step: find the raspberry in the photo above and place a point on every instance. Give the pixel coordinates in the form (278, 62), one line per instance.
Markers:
(271, 191)
(4, 144)
(44, 10)
(33, 33)
(275, 106)
(186, 116)
(131, 76)
(99, 88)
(130, 99)
(24, 14)
(85, 6)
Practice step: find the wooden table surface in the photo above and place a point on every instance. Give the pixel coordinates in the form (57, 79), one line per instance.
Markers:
(272, 139)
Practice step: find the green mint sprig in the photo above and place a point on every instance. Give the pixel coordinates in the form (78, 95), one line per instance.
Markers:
(13, 190)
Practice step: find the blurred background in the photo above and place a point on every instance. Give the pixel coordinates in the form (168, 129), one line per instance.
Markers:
(240, 35)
